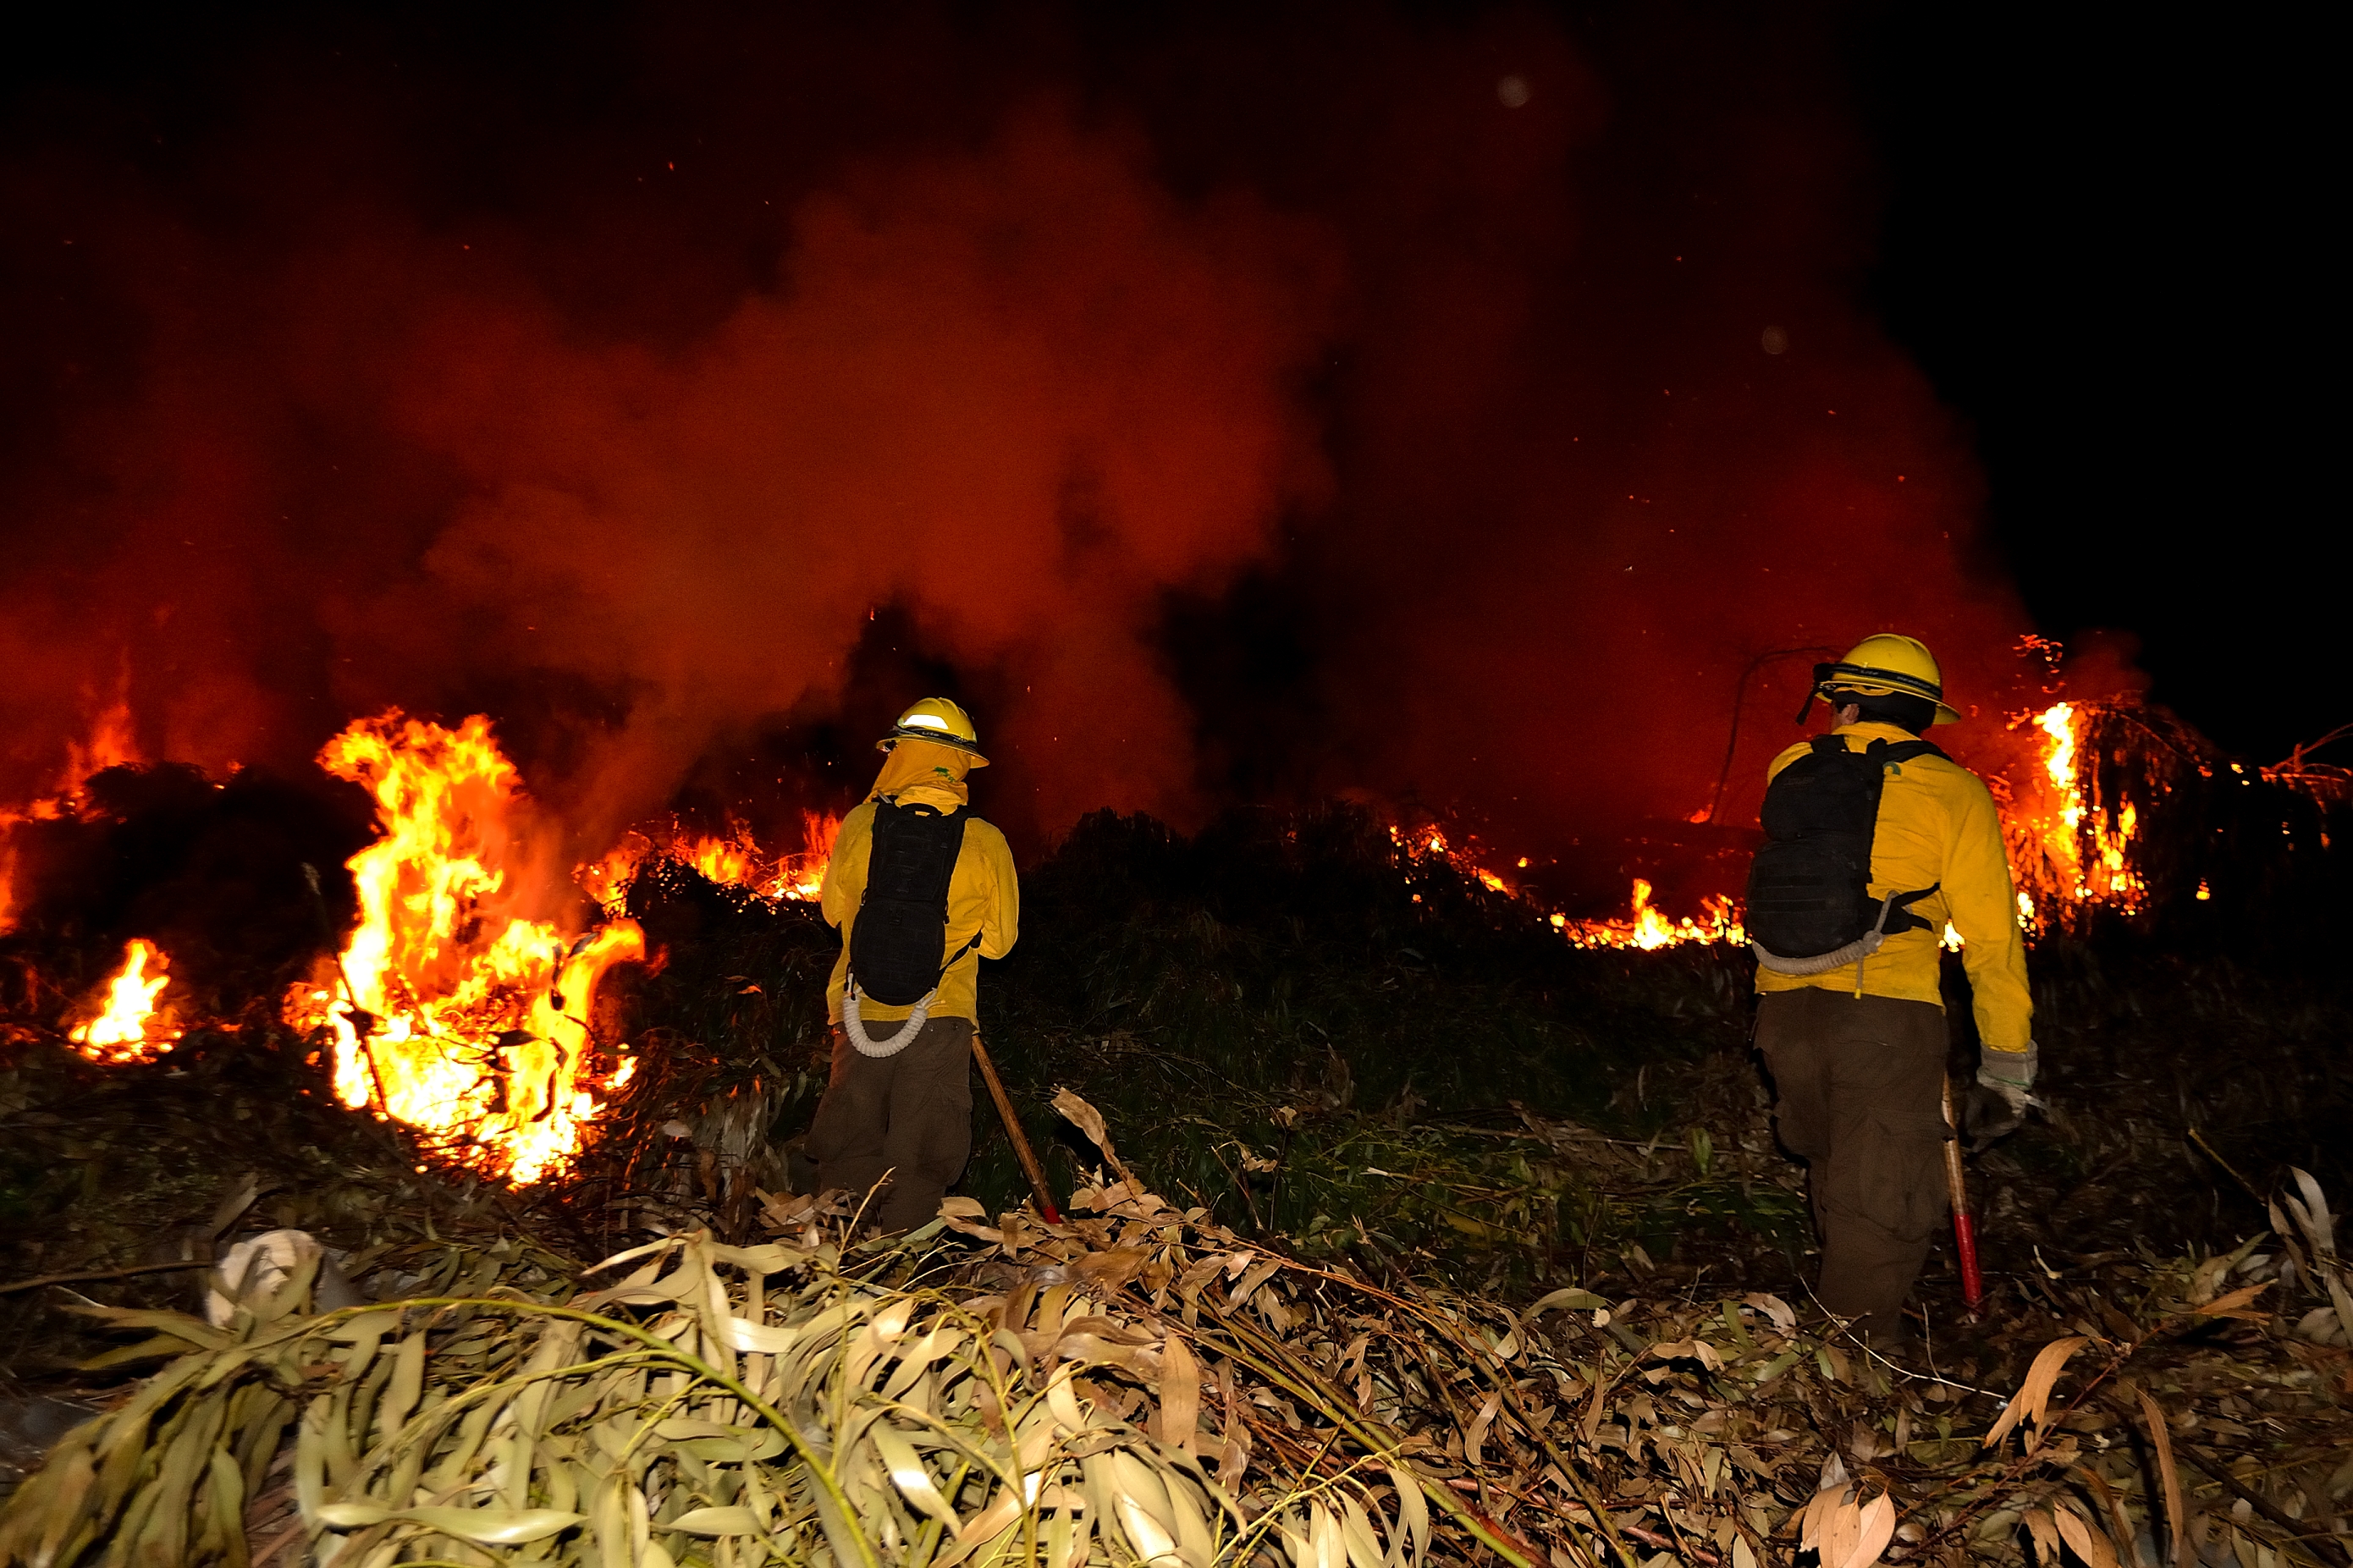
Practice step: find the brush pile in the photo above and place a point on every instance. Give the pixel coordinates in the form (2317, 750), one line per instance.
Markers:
(1140, 1386)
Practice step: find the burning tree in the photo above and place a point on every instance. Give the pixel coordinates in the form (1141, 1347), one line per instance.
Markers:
(2135, 818)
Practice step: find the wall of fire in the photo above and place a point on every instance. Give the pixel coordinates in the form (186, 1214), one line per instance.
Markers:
(392, 911)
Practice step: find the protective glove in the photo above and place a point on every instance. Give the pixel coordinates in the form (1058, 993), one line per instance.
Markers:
(2003, 1095)
(1986, 1117)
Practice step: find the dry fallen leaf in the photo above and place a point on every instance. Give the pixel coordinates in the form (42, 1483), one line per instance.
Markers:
(2160, 1439)
(2234, 1305)
(1087, 1120)
(1181, 1397)
(2044, 1535)
(2033, 1400)
(1874, 1531)
(2084, 1537)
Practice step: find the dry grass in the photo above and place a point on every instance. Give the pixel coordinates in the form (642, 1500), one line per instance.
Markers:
(1140, 1385)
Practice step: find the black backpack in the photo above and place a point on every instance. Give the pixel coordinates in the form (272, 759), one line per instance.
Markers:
(1808, 899)
(902, 921)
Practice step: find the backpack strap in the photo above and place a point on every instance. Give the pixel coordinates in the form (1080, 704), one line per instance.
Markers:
(928, 811)
(1896, 914)
(1886, 750)
(1896, 910)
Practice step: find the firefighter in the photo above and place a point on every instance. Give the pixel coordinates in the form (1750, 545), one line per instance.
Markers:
(922, 890)
(1876, 842)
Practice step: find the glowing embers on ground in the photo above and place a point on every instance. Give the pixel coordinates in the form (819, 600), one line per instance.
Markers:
(128, 1026)
(2073, 850)
(1430, 843)
(734, 859)
(458, 1018)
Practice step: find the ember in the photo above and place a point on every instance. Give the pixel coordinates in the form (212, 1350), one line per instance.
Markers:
(1431, 843)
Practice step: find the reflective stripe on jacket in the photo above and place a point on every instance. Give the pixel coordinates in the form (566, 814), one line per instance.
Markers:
(983, 899)
(1938, 826)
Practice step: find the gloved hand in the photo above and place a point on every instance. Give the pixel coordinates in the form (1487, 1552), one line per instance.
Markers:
(1986, 1117)
(2003, 1095)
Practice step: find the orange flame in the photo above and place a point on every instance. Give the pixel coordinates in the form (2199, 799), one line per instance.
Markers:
(2071, 850)
(2077, 851)
(727, 861)
(471, 1029)
(1646, 927)
(607, 878)
(110, 745)
(802, 876)
(8, 819)
(126, 1029)
(734, 860)
(1649, 928)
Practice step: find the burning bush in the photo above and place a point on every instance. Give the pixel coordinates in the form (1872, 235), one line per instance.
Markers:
(211, 875)
(2148, 823)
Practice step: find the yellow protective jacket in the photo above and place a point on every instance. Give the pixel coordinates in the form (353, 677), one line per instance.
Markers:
(983, 898)
(1938, 826)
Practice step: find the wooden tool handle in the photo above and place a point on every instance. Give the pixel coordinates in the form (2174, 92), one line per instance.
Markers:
(1965, 1230)
(1028, 1156)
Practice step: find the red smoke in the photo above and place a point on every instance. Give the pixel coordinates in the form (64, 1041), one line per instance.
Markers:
(1013, 392)
(1624, 426)
(620, 422)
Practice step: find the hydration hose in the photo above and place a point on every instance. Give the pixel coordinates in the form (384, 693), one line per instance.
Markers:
(865, 1043)
(1854, 952)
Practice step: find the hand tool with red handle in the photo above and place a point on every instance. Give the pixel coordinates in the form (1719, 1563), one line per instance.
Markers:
(1965, 1230)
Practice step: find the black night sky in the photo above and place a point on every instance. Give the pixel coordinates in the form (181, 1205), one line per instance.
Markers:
(2104, 243)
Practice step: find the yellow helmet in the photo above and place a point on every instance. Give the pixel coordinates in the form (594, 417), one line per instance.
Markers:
(1887, 665)
(937, 719)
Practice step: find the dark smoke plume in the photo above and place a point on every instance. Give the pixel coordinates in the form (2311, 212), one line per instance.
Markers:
(1244, 408)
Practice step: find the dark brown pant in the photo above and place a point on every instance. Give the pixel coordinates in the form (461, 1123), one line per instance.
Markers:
(1858, 1084)
(909, 1114)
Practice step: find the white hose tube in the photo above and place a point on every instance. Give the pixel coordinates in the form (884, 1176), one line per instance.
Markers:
(865, 1045)
(1856, 951)
(1862, 947)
